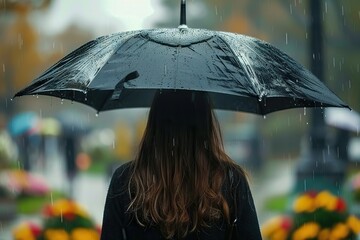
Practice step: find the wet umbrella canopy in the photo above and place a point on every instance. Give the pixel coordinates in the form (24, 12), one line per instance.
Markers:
(240, 73)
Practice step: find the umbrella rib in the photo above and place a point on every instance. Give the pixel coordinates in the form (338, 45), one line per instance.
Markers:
(240, 65)
(260, 57)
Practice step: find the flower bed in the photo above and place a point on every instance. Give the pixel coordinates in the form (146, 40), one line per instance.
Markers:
(315, 215)
(63, 220)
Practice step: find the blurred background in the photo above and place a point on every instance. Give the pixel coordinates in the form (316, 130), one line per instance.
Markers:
(53, 149)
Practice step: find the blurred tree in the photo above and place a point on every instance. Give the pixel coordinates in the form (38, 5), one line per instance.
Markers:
(13, 5)
(20, 58)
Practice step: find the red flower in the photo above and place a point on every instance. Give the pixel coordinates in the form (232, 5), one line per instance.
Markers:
(48, 211)
(35, 229)
(69, 216)
(340, 205)
(312, 193)
(286, 223)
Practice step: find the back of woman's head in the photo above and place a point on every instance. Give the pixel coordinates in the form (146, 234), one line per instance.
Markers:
(180, 167)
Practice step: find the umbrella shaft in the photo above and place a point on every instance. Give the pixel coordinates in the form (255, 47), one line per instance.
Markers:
(183, 12)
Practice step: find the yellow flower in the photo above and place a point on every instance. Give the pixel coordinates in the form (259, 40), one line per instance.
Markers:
(354, 224)
(56, 234)
(23, 232)
(270, 226)
(306, 231)
(304, 203)
(340, 231)
(64, 206)
(326, 200)
(324, 234)
(84, 233)
(279, 234)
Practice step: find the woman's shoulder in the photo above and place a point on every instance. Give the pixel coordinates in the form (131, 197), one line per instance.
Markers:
(123, 170)
(235, 172)
(120, 178)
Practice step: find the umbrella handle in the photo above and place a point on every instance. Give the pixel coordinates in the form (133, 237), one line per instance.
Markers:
(183, 12)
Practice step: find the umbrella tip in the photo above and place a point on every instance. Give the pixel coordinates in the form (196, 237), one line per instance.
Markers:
(183, 13)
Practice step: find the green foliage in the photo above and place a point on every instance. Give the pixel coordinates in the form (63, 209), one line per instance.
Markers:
(34, 204)
(278, 203)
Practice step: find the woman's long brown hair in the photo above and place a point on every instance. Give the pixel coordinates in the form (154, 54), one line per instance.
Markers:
(180, 167)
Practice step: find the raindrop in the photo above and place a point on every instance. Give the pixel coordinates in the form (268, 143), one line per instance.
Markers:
(291, 11)
(62, 101)
(306, 35)
(304, 111)
(305, 185)
(342, 10)
(11, 99)
(286, 39)
(61, 215)
(3, 67)
(216, 10)
(165, 70)
(307, 123)
(97, 114)
(264, 116)
(113, 144)
(326, 7)
(334, 63)
(313, 55)
(51, 199)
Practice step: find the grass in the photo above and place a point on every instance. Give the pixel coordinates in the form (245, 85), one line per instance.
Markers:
(34, 204)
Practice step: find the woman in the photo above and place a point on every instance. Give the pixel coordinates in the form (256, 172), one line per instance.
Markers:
(181, 184)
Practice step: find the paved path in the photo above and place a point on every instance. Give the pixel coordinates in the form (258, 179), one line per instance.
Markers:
(277, 177)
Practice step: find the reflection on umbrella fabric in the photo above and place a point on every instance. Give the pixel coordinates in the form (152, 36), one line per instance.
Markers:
(240, 73)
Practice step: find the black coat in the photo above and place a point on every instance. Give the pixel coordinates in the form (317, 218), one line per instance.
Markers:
(119, 225)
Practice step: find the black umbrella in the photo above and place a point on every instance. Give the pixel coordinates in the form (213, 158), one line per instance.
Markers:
(240, 73)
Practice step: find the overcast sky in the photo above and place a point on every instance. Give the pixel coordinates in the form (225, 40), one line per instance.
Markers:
(101, 16)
